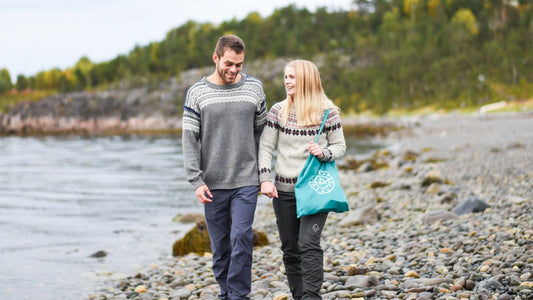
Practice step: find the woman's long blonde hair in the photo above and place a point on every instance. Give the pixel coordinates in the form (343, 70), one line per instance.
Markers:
(309, 100)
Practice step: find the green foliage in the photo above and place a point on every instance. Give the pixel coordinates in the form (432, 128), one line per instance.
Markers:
(466, 18)
(390, 54)
(8, 101)
(22, 83)
(5, 81)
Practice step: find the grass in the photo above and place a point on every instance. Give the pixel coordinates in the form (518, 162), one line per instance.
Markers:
(517, 106)
(10, 100)
(512, 106)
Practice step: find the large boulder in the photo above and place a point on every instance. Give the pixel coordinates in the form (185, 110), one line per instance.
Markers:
(197, 241)
(470, 205)
(364, 215)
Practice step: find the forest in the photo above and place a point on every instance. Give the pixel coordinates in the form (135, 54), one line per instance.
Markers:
(380, 56)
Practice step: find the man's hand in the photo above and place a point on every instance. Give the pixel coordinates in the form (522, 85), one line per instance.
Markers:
(269, 189)
(203, 194)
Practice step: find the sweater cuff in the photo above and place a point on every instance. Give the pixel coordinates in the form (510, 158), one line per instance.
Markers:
(197, 183)
(265, 175)
(328, 155)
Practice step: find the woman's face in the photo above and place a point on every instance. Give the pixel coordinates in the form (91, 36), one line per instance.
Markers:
(290, 81)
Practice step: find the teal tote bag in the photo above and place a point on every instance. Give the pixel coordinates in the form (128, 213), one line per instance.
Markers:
(318, 188)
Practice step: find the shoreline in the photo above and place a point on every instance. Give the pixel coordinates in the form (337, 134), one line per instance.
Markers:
(401, 239)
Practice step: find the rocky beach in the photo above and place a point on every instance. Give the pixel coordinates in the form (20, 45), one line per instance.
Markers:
(444, 212)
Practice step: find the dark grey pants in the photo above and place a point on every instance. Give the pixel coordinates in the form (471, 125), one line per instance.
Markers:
(300, 243)
(229, 221)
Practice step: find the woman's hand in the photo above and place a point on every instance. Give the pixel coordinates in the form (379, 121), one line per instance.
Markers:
(316, 150)
(269, 189)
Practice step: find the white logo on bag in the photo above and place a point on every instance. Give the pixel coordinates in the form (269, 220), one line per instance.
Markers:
(322, 183)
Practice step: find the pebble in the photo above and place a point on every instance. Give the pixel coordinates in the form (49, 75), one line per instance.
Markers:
(410, 245)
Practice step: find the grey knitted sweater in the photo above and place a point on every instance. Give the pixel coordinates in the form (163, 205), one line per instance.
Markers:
(221, 127)
(292, 141)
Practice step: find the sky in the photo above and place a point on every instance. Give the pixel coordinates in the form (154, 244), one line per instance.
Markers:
(38, 35)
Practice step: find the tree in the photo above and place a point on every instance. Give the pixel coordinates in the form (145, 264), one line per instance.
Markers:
(5, 81)
(466, 18)
(48, 80)
(82, 72)
(22, 83)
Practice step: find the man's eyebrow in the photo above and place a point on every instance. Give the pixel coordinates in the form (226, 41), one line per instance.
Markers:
(229, 62)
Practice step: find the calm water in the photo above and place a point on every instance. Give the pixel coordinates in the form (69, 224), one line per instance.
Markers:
(65, 198)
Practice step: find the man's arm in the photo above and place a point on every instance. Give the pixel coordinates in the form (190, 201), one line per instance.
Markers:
(191, 138)
(260, 118)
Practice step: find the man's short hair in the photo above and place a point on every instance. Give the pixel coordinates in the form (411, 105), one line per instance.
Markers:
(230, 41)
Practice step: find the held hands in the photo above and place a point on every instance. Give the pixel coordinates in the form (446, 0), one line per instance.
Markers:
(203, 194)
(268, 189)
(316, 150)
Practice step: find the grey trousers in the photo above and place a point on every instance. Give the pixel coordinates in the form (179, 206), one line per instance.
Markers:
(300, 244)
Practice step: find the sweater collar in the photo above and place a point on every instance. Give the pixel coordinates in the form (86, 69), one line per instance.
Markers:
(226, 86)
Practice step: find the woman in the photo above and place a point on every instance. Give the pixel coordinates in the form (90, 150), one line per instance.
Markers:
(292, 126)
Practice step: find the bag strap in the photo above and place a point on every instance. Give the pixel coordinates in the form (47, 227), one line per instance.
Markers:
(326, 113)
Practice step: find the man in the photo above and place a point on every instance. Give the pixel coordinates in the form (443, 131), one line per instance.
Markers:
(223, 117)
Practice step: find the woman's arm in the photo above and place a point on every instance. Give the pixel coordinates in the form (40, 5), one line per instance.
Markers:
(336, 144)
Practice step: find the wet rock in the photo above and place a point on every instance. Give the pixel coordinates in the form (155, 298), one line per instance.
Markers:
(470, 205)
(429, 174)
(196, 240)
(448, 198)
(410, 156)
(378, 184)
(424, 296)
(439, 215)
(489, 284)
(189, 218)
(260, 238)
(516, 145)
(365, 167)
(361, 281)
(99, 254)
(364, 215)
(281, 296)
(182, 293)
(423, 282)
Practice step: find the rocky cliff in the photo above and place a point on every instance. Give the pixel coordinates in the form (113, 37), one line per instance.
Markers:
(130, 106)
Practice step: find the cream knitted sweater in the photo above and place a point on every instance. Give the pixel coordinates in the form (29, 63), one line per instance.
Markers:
(292, 141)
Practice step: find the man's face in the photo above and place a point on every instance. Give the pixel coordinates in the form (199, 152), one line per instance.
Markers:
(228, 65)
